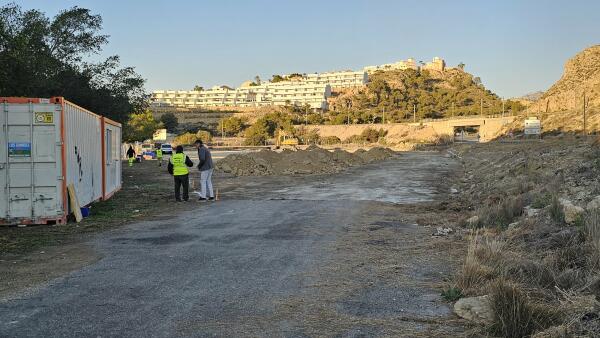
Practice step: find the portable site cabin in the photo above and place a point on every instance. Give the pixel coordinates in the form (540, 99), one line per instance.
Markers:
(48, 144)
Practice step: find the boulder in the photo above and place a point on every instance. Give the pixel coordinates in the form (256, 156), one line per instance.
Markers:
(440, 231)
(473, 220)
(594, 204)
(531, 212)
(572, 212)
(475, 309)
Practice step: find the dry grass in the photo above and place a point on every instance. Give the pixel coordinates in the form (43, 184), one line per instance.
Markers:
(515, 315)
(556, 211)
(481, 264)
(543, 278)
(500, 215)
(592, 234)
(473, 274)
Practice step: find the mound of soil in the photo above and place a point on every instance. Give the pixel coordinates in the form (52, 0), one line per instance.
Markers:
(313, 160)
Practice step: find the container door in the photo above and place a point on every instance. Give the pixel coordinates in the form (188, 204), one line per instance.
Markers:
(33, 180)
(110, 163)
(3, 162)
(19, 178)
(46, 200)
(117, 155)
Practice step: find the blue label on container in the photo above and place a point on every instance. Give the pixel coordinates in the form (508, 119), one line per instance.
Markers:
(19, 149)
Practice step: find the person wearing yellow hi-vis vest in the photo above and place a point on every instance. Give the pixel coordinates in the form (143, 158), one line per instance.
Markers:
(130, 156)
(178, 167)
(159, 156)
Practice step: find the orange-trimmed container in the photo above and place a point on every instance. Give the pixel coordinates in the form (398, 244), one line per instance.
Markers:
(48, 144)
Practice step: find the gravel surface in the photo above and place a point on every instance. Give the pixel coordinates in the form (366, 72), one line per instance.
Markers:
(281, 256)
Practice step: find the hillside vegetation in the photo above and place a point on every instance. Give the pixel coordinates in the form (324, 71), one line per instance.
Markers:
(427, 94)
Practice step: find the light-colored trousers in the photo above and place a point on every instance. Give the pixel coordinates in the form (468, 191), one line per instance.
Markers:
(206, 183)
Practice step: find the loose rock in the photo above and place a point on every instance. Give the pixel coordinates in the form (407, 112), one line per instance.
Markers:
(572, 212)
(594, 204)
(476, 309)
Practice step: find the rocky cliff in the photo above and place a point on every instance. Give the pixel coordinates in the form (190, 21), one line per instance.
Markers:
(560, 108)
(582, 73)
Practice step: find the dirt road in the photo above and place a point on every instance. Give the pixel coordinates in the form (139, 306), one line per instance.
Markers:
(336, 255)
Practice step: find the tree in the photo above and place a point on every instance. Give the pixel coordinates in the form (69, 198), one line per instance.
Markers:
(231, 125)
(277, 78)
(461, 66)
(198, 88)
(169, 121)
(141, 126)
(257, 80)
(257, 134)
(204, 135)
(185, 139)
(380, 88)
(43, 57)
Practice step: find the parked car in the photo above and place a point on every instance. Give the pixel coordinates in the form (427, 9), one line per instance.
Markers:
(148, 151)
(166, 149)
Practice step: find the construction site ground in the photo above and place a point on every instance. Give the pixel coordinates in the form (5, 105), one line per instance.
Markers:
(348, 254)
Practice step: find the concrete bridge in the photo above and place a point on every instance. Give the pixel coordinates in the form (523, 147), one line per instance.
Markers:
(485, 126)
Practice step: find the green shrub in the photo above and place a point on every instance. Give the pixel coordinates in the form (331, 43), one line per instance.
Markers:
(204, 135)
(540, 201)
(452, 294)
(330, 140)
(256, 135)
(355, 139)
(372, 135)
(185, 139)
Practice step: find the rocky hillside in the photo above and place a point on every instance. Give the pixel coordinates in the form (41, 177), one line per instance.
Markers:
(434, 94)
(582, 73)
(560, 108)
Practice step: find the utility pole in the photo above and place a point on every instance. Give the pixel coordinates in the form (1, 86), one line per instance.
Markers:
(223, 132)
(584, 116)
(383, 117)
(452, 114)
(481, 107)
(414, 113)
(502, 107)
(305, 116)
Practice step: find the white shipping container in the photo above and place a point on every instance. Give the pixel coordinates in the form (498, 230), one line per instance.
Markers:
(48, 144)
(111, 157)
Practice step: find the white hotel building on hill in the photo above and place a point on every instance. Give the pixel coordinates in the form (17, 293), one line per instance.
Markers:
(311, 89)
(268, 94)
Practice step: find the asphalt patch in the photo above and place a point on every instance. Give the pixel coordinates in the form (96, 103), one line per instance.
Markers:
(160, 240)
(382, 301)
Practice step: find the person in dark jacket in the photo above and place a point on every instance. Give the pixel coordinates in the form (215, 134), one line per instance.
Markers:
(206, 168)
(130, 156)
(178, 167)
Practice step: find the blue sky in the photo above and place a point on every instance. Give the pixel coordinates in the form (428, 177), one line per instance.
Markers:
(516, 47)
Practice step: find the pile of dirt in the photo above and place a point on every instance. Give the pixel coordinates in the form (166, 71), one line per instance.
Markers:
(313, 160)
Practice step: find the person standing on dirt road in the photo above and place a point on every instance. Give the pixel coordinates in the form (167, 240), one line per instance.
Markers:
(206, 169)
(159, 156)
(178, 167)
(130, 156)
